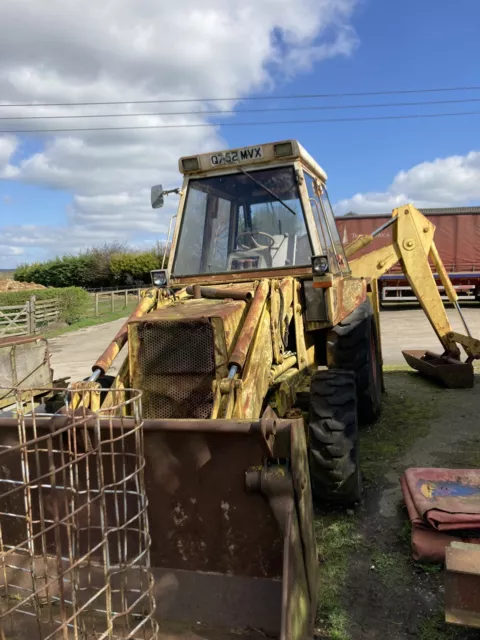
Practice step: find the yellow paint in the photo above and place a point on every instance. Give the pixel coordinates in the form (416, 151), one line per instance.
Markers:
(412, 245)
(427, 490)
(303, 356)
(275, 322)
(375, 302)
(256, 372)
(357, 244)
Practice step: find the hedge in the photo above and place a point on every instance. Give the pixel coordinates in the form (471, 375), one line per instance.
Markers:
(74, 301)
(69, 271)
(135, 266)
(98, 267)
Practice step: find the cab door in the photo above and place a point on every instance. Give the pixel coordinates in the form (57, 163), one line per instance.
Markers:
(332, 246)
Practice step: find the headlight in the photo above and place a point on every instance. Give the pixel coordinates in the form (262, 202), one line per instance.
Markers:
(159, 278)
(319, 265)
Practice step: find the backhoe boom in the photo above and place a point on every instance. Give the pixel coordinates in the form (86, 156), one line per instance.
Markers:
(413, 247)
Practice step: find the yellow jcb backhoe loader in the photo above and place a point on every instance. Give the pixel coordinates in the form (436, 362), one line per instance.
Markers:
(258, 310)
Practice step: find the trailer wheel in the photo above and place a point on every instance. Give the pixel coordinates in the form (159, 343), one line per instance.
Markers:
(352, 345)
(333, 438)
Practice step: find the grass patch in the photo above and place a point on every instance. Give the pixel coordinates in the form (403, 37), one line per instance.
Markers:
(392, 567)
(435, 628)
(406, 416)
(388, 368)
(405, 533)
(464, 455)
(337, 538)
(429, 568)
(339, 626)
(84, 323)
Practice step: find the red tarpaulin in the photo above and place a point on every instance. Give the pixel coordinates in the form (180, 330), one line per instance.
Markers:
(443, 505)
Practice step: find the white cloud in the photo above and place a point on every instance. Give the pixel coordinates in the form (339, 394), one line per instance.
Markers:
(9, 254)
(8, 144)
(83, 51)
(444, 182)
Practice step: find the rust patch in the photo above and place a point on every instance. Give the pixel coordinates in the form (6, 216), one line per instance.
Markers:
(176, 353)
(147, 302)
(192, 309)
(235, 292)
(350, 293)
(244, 276)
(244, 341)
(202, 517)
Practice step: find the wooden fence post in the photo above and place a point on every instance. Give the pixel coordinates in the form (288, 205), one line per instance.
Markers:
(139, 297)
(32, 326)
(126, 297)
(112, 301)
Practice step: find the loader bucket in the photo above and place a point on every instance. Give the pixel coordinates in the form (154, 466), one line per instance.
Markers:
(231, 521)
(450, 372)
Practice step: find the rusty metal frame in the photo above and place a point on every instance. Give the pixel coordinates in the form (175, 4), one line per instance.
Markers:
(32, 352)
(288, 491)
(70, 497)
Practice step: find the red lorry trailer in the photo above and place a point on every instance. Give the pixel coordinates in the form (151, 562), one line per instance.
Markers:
(457, 237)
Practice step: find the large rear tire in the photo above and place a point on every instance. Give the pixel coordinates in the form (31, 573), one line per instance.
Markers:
(352, 345)
(333, 438)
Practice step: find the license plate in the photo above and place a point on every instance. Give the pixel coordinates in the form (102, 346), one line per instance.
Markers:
(235, 156)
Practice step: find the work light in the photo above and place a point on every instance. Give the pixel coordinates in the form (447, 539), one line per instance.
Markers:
(319, 265)
(159, 278)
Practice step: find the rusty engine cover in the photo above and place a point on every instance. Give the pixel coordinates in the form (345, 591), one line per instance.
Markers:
(176, 352)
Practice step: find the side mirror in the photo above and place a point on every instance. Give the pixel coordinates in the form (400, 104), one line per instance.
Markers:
(156, 196)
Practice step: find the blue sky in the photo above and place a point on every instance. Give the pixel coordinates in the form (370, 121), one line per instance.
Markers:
(62, 193)
(402, 45)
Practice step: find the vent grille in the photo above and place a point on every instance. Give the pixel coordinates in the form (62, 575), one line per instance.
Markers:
(176, 368)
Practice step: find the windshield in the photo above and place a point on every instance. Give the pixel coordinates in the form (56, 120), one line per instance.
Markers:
(233, 223)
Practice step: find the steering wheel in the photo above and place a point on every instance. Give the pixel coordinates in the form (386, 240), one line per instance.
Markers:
(250, 234)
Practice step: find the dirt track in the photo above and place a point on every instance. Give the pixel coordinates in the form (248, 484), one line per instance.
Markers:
(383, 593)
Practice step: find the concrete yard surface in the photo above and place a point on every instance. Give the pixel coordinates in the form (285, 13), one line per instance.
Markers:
(410, 329)
(73, 354)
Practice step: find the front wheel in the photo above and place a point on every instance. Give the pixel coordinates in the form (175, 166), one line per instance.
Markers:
(352, 345)
(333, 438)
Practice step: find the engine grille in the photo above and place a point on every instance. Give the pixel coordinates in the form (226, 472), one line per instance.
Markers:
(176, 368)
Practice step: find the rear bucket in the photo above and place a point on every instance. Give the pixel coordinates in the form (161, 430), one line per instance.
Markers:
(452, 373)
(231, 521)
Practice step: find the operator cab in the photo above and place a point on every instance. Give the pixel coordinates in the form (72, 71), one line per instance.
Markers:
(250, 209)
(230, 223)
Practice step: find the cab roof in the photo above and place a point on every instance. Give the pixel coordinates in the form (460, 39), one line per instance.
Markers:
(262, 154)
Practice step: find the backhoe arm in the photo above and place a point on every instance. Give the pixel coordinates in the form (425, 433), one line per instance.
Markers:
(412, 246)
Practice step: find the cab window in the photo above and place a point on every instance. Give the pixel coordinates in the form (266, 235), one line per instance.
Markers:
(240, 221)
(326, 227)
